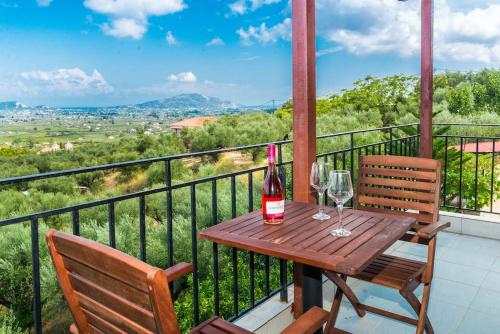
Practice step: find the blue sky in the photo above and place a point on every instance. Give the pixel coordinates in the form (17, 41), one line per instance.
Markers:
(109, 52)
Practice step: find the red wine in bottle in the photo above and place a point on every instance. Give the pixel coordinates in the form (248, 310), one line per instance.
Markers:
(273, 195)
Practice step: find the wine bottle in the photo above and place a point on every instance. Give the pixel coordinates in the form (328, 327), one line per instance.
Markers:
(273, 195)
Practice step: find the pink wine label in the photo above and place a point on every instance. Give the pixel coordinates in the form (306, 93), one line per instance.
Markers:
(275, 208)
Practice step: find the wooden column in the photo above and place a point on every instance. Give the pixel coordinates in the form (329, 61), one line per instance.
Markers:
(304, 112)
(426, 78)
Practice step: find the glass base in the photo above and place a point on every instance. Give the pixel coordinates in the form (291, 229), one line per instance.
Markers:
(321, 216)
(340, 232)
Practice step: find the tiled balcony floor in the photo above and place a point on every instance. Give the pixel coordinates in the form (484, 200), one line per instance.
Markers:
(465, 293)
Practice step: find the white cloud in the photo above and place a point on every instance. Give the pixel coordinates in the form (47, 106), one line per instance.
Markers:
(71, 81)
(263, 34)
(121, 28)
(129, 18)
(241, 7)
(238, 7)
(183, 77)
(171, 40)
(217, 41)
(43, 3)
(387, 26)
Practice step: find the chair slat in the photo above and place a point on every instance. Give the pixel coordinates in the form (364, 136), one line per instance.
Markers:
(400, 161)
(111, 316)
(113, 301)
(415, 195)
(426, 207)
(395, 183)
(420, 217)
(101, 324)
(400, 173)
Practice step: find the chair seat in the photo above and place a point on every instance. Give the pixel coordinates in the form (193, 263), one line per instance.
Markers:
(392, 271)
(216, 325)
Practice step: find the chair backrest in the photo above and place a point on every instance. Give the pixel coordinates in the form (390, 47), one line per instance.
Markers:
(108, 291)
(400, 185)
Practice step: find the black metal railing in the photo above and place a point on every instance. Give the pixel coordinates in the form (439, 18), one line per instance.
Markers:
(341, 149)
(470, 167)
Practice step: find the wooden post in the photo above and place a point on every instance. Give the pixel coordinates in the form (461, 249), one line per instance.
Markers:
(304, 113)
(426, 79)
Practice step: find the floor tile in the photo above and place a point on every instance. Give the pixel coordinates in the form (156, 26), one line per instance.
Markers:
(453, 292)
(459, 273)
(445, 317)
(486, 301)
(349, 321)
(392, 326)
(478, 323)
(492, 282)
(466, 257)
(496, 265)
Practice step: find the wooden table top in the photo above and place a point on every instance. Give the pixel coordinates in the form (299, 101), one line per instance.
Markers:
(304, 240)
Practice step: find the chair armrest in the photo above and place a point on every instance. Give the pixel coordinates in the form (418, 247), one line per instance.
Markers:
(308, 323)
(429, 231)
(178, 270)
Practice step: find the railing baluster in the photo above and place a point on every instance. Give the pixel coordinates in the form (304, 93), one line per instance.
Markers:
(215, 250)
(343, 161)
(390, 141)
(445, 183)
(170, 236)
(194, 256)
(251, 254)
(234, 260)
(234, 251)
(35, 260)
(476, 174)
(461, 172)
(233, 196)
(250, 192)
(266, 274)
(283, 282)
(111, 222)
(142, 226)
(215, 255)
(351, 137)
(492, 181)
(75, 217)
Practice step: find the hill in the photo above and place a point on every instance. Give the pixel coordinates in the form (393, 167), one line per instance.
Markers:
(190, 102)
(12, 105)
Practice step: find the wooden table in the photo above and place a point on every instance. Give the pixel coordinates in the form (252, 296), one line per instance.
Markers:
(307, 241)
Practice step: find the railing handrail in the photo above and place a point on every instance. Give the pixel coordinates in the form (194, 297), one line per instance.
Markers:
(89, 169)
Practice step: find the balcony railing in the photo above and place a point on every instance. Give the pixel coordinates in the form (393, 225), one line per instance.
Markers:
(251, 278)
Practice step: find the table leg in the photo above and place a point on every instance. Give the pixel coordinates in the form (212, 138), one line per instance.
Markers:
(312, 288)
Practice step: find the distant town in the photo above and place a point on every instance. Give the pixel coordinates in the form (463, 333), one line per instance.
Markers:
(49, 129)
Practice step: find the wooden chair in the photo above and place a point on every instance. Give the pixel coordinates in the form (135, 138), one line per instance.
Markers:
(109, 292)
(403, 186)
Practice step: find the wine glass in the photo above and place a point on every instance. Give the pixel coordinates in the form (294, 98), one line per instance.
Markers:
(340, 191)
(319, 181)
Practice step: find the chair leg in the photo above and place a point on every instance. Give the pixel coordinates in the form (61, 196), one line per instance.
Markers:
(420, 309)
(423, 320)
(342, 285)
(334, 311)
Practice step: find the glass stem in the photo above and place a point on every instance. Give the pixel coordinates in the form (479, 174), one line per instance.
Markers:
(340, 208)
(321, 202)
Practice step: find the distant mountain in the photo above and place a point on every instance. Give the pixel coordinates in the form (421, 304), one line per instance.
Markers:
(12, 105)
(190, 102)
